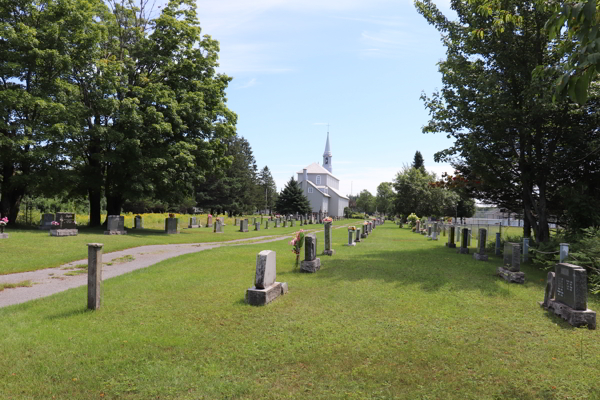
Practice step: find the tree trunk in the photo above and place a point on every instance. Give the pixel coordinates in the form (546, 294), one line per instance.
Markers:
(95, 198)
(114, 204)
(11, 196)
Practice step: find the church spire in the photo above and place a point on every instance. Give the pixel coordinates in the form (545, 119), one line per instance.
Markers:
(327, 155)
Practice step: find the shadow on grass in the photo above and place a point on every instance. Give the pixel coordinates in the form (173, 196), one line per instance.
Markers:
(432, 269)
(68, 313)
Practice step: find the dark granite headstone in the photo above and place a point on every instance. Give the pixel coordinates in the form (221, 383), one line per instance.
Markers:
(571, 285)
(66, 220)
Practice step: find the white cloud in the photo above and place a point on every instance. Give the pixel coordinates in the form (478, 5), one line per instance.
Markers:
(386, 43)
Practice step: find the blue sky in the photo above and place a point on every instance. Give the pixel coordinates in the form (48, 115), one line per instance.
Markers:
(359, 66)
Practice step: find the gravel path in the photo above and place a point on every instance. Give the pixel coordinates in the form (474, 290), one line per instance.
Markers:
(49, 281)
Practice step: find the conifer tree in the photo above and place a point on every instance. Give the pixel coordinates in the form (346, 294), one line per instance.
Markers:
(292, 200)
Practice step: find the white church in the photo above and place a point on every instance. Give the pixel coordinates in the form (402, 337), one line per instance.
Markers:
(322, 188)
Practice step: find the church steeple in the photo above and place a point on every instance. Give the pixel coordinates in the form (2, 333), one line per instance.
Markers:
(327, 156)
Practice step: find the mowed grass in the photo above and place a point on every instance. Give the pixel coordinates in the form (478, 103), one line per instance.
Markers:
(32, 249)
(396, 316)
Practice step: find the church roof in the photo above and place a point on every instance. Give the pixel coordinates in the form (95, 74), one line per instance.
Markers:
(319, 189)
(327, 151)
(315, 168)
(338, 193)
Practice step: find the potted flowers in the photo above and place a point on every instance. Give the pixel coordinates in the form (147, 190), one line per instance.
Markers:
(3, 223)
(327, 219)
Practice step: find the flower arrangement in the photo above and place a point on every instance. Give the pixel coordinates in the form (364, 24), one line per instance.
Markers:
(297, 242)
(209, 215)
(351, 228)
(171, 215)
(327, 219)
(55, 223)
(3, 221)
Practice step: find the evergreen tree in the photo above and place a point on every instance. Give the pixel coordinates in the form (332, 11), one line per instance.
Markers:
(418, 162)
(268, 189)
(292, 200)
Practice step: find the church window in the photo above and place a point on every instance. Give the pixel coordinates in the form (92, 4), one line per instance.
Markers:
(318, 179)
(310, 189)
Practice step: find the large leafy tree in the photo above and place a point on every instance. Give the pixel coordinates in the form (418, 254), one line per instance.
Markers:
(385, 198)
(508, 133)
(365, 202)
(150, 107)
(292, 200)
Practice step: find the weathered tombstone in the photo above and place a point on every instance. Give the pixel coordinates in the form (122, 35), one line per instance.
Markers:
(193, 223)
(418, 227)
(463, 245)
(311, 263)
(222, 221)
(244, 225)
(351, 230)
(94, 275)
(218, 228)
(171, 226)
(66, 225)
(115, 225)
(138, 222)
(429, 231)
(364, 233)
(277, 223)
(480, 254)
(257, 226)
(511, 270)
(285, 223)
(265, 288)
(525, 249)
(267, 224)
(209, 221)
(357, 231)
(328, 250)
(498, 251)
(469, 237)
(569, 286)
(434, 231)
(451, 243)
(46, 221)
(254, 221)
(370, 227)
(458, 234)
(237, 222)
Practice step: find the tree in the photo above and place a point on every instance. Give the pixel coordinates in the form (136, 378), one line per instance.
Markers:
(418, 162)
(365, 202)
(385, 198)
(149, 106)
(416, 194)
(268, 189)
(508, 133)
(292, 199)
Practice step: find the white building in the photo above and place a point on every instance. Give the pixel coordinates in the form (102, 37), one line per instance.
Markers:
(322, 188)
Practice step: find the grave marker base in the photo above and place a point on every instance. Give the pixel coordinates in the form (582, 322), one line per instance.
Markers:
(575, 318)
(310, 266)
(451, 245)
(261, 297)
(480, 257)
(363, 235)
(328, 252)
(511, 276)
(115, 232)
(462, 250)
(194, 226)
(3, 235)
(63, 232)
(350, 244)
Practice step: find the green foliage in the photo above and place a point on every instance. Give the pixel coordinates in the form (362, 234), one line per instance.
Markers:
(268, 190)
(418, 162)
(384, 200)
(586, 253)
(366, 202)
(292, 199)
(412, 219)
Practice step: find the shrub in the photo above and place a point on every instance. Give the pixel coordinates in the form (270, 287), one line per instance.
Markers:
(412, 220)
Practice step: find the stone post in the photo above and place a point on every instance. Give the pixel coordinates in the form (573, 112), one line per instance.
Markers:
(498, 252)
(434, 231)
(480, 254)
(458, 234)
(257, 226)
(564, 251)
(94, 275)
(357, 238)
(525, 249)
(418, 227)
(267, 224)
(451, 243)
(328, 250)
(350, 237)
(463, 245)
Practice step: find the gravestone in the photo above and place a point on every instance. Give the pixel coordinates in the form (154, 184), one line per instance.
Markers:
(267, 224)
(451, 243)
(254, 221)
(285, 223)
(364, 233)
(277, 223)
(498, 251)
(429, 231)
(370, 227)
(525, 249)
(67, 225)
(46, 221)
(257, 226)
(357, 238)
(237, 222)
(265, 288)
(311, 263)
(222, 221)
(138, 222)
(209, 221)
(458, 234)
(511, 270)
(463, 245)
(218, 228)
(171, 226)
(434, 231)
(418, 227)
(193, 223)
(568, 285)
(244, 225)
(115, 225)
(351, 230)
(328, 250)
(293, 223)
(480, 254)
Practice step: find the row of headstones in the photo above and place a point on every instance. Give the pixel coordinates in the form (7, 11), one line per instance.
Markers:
(59, 224)
(566, 287)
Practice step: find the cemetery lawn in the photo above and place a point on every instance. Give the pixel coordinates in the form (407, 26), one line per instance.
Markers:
(33, 249)
(396, 316)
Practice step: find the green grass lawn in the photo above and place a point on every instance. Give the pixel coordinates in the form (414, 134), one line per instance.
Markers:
(396, 316)
(33, 249)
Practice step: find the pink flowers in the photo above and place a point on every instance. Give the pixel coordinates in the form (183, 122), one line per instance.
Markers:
(297, 242)
(4, 221)
(327, 219)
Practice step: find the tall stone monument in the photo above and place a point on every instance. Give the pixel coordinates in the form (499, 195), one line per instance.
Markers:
(328, 250)
(480, 254)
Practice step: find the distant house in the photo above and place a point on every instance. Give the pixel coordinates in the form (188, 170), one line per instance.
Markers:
(322, 188)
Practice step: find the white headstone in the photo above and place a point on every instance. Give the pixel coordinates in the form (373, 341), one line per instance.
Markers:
(265, 269)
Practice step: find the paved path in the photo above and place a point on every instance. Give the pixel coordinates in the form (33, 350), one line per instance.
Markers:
(49, 281)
